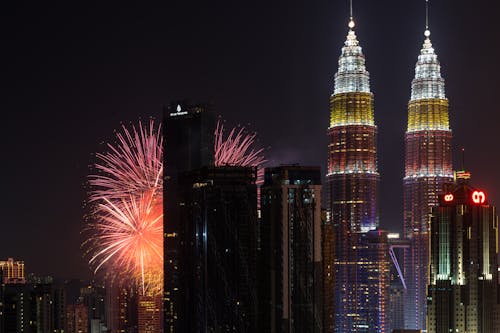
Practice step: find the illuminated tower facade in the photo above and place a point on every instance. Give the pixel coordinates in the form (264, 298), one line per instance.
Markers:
(13, 271)
(428, 169)
(352, 183)
(149, 314)
(463, 289)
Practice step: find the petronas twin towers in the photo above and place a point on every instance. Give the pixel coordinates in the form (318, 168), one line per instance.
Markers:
(361, 254)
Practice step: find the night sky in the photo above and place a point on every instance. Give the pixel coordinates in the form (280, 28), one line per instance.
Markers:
(70, 74)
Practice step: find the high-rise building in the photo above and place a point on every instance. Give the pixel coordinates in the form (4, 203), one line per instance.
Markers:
(59, 301)
(290, 264)
(352, 184)
(219, 249)
(328, 258)
(19, 309)
(149, 314)
(463, 289)
(77, 320)
(35, 305)
(121, 309)
(12, 271)
(397, 284)
(373, 280)
(93, 296)
(188, 145)
(2, 302)
(428, 168)
(43, 303)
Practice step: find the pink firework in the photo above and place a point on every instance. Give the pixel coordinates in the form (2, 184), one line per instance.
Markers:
(126, 230)
(126, 227)
(237, 149)
(133, 166)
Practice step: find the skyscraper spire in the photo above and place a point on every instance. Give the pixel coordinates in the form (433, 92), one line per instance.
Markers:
(427, 32)
(351, 75)
(352, 186)
(351, 18)
(428, 169)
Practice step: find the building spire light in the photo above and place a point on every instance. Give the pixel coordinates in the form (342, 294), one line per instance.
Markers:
(427, 32)
(351, 24)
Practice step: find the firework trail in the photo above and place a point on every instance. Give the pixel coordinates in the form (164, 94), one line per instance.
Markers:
(237, 150)
(126, 227)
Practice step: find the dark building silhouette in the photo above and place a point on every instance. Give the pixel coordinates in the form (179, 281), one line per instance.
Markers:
(188, 145)
(218, 249)
(93, 296)
(463, 293)
(59, 302)
(121, 308)
(290, 265)
(34, 306)
(19, 309)
(77, 319)
(2, 301)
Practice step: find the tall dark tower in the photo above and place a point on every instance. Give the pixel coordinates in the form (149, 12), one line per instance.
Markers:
(188, 145)
(352, 181)
(428, 169)
(218, 246)
(290, 258)
(463, 286)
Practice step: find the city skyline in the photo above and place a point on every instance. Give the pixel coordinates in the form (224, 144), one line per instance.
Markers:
(62, 80)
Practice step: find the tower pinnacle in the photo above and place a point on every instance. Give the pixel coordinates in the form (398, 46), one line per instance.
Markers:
(427, 32)
(351, 24)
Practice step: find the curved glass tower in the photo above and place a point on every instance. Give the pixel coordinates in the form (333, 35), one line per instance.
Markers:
(428, 168)
(352, 183)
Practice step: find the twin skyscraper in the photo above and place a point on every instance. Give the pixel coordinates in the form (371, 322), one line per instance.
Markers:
(353, 181)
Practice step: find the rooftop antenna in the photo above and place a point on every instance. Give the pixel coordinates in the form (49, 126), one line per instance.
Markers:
(427, 32)
(351, 19)
(463, 158)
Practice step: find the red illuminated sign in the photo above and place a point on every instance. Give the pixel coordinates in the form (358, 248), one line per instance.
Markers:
(448, 197)
(478, 197)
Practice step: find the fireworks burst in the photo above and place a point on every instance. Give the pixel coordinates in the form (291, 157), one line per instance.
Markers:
(132, 167)
(126, 230)
(237, 149)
